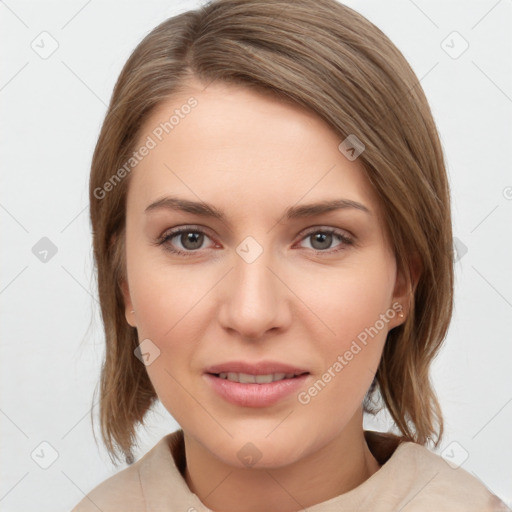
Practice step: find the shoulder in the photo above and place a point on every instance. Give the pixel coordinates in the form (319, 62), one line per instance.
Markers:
(121, 491)
(435, 484)
(124, 490)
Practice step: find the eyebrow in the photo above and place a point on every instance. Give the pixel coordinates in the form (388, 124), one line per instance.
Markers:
(294, 212)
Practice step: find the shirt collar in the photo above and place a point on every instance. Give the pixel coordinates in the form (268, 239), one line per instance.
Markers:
(166, 462)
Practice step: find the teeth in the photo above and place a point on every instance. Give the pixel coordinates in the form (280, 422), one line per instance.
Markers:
(245, 378)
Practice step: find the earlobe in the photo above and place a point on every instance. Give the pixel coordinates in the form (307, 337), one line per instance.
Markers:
(128, 306)
(405, 288)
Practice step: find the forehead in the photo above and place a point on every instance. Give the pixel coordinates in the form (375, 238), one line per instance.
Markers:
(227, 142)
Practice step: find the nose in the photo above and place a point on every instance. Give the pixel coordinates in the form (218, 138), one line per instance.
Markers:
(256, 299)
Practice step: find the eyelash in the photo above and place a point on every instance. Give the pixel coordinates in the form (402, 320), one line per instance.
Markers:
(190, 229)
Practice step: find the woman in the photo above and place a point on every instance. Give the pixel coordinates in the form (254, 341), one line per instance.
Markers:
(272, 234)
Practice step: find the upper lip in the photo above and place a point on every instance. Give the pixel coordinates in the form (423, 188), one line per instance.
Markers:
(259, 368)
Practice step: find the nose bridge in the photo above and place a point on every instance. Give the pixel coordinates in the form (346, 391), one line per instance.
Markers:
(254, 301)
(253, 281)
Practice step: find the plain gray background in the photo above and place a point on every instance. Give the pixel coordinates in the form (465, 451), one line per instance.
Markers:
(52, 106)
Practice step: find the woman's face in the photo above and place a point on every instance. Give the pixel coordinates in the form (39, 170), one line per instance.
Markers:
(271, 288)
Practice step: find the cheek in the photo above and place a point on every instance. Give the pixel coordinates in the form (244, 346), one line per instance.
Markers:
(164, 308)
(350, 299)
(166, 315)
(356, 310)
(163, 295)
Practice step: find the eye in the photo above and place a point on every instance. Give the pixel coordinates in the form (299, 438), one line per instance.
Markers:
(321, 239)
(190, 238)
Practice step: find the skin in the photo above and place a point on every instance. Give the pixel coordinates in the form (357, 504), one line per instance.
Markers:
(253, 156)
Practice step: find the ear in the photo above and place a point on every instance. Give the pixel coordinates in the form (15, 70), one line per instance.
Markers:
(128, 306)
(405, 287)
(125, 290)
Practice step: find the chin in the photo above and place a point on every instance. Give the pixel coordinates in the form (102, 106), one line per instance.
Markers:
(259, 451)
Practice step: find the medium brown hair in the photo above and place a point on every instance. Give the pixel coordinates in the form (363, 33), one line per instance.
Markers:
(327, 58)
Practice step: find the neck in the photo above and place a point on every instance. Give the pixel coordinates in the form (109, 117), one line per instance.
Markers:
(338, 467)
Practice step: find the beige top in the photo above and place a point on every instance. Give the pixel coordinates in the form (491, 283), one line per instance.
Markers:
(411, 479)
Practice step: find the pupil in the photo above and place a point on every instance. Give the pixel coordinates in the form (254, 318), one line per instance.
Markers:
(191, 238)
(322, 238)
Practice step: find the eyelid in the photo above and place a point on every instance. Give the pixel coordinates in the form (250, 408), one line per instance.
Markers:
(322, 228)
(178, 230)
(346, 237)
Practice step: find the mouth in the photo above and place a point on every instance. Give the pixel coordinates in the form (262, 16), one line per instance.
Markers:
(232, 388)
(260, 384)
(247, 378)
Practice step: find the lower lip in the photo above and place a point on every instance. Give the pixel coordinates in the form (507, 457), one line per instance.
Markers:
(255, 395)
